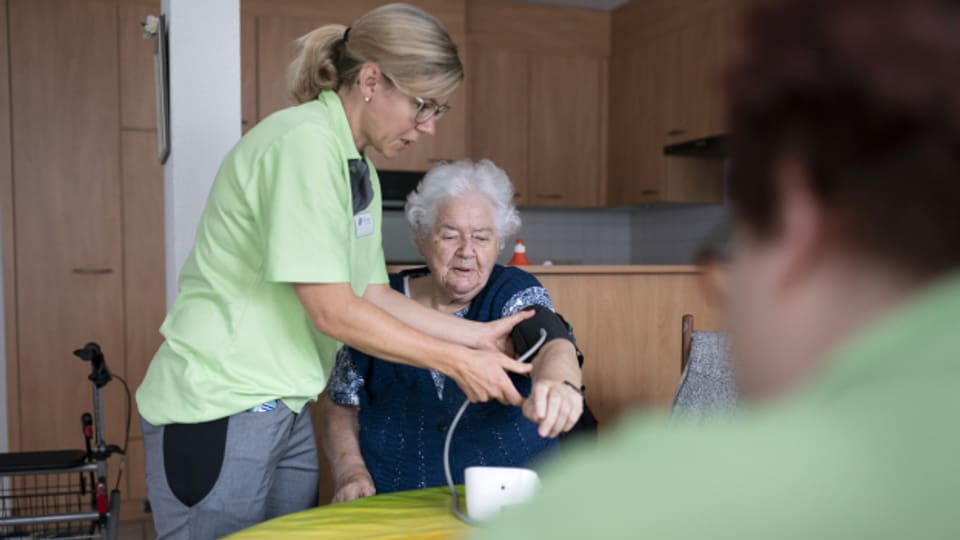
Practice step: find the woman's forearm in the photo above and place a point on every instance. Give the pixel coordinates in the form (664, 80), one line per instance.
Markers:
(429, 321)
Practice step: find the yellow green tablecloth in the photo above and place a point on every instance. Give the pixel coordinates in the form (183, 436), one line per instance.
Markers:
(422, 514)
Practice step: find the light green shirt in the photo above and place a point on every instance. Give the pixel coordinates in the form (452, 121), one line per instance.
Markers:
(280, 211)
(868, 449)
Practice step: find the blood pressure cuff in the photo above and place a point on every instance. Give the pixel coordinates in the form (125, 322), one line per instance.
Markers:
(526, 334)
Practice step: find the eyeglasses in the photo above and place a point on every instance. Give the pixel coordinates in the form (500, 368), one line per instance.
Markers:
(429, 109)
(426, 109)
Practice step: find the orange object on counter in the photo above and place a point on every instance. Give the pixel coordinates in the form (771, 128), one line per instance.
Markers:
(519, 254)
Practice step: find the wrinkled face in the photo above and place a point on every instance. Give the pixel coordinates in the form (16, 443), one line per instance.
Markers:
(392, 125)
(462, 246)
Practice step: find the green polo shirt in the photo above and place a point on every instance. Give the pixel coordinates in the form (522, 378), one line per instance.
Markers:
(280, 212)
(868, 449)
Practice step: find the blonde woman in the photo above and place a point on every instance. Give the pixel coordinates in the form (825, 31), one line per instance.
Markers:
(286, 264)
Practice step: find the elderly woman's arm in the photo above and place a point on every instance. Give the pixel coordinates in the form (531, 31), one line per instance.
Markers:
(341, 442)
(553, 403)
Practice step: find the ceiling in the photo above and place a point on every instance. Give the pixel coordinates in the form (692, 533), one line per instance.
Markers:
(603, 5)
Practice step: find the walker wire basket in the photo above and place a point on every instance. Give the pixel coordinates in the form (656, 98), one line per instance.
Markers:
(64, 493)
(48, 495)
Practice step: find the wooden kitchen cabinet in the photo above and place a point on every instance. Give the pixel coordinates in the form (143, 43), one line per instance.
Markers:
(500, 123)
(538, 86)
(695, 97)
(668, 58)
(567, 124)
(641, 90)
(268, 32)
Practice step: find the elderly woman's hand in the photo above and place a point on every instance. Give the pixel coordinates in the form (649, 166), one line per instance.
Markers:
(554, 405)
(354, 484)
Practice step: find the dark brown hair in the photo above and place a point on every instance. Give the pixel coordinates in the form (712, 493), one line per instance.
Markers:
(867, 94)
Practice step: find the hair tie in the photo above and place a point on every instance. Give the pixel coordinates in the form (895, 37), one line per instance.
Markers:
(346, 34)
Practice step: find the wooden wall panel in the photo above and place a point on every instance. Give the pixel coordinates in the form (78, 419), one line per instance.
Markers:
(6, 223)
(540, 29)
(143, 253)
(137, 94)
(276, 49)
(67, 194)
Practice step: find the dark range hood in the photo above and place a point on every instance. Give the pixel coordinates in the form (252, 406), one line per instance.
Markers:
(708, 147)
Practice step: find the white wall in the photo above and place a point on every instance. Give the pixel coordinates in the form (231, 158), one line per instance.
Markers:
(204, 39)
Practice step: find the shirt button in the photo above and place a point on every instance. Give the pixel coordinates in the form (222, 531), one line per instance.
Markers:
(442, 427)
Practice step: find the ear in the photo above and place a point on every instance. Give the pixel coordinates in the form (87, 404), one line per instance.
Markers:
(802, 227)
(368, 79)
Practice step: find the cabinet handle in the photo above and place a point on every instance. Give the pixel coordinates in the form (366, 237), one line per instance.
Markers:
(675, 132)
(549, 196)
(649, 192)
(92, 271)
(517, 195)
(439, 160)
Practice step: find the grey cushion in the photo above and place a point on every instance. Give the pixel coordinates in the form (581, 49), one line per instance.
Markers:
(707, 384)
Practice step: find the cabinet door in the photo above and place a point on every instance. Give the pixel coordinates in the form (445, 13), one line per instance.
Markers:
(64, 91)
(276, 47)
(638, 91)
(499, 94)
(138, 102)
(697, 108)
(567, 150)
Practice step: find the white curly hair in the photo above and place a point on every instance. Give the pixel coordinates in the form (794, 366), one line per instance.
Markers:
(449, 181)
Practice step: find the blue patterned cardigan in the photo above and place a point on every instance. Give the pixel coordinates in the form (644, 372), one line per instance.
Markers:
(405, 411)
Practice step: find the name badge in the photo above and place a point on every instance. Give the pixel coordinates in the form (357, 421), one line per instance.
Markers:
(364, 223)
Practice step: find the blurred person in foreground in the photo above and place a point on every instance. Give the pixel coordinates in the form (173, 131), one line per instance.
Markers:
(844, 302)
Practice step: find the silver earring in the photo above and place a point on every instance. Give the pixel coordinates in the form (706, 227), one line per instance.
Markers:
(366, 98)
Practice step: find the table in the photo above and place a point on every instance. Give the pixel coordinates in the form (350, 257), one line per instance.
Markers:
(422, 514)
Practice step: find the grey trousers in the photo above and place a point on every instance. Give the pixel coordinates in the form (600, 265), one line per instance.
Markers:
(269, 468)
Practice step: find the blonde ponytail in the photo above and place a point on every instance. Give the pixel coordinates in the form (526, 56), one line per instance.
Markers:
(409, 45)
(315, 67)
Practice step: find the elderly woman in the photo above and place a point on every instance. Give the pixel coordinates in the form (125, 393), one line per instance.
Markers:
(459, 215)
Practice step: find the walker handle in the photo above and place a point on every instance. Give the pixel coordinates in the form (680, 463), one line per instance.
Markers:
(99, 373)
